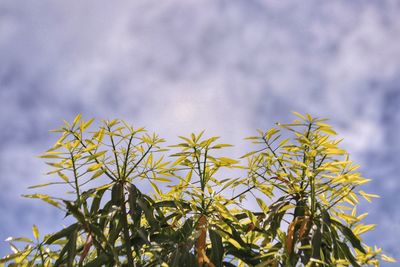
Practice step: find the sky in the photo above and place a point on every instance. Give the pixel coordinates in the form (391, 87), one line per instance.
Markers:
(178, 66)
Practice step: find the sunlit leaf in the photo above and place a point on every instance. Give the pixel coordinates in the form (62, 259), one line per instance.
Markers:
(94, 167)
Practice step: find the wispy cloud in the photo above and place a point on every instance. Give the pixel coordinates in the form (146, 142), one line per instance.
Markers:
(178, 66)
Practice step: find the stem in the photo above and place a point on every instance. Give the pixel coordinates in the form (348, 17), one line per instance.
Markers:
(241, 193)
(274, 184)
(114, 152)
(204, 176)
(312, 185)
(140, 160)
(306, 149)
(104, 168)
(41, 253)
(78, 195)
(201, 176)
(274, 154)
(204, 165)
(121, 181)
(125, 166)
(125, 226)
(341, 198)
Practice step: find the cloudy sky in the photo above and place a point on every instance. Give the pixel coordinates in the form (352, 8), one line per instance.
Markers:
(177, 66)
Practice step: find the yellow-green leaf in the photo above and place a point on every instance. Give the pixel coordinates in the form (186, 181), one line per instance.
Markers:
(234, 243)
(387, 258)
(97, 174)
(40, 185)
(87, 124)
(368, 196)
(221, 146)
(104, 186)
(45, 198)
(63, 176)
(228, 160)
(328, 130)
(76, 120)
(162, 179)
(262, 205)
(155, 188)
(96, 155)
(51, 155)
(299, 115)
(35, 231)
(93, 167)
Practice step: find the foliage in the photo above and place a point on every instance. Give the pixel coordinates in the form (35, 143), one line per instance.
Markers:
(292, 203)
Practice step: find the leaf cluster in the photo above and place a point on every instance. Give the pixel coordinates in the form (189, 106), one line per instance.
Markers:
(294, 202)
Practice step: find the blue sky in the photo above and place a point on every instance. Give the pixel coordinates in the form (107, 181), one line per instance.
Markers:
(177, 66)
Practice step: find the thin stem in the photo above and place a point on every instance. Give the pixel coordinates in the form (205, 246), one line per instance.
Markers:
(78, 195)
(201, 176)
(125, 226)
(275, 184)
(114, 149)
(104, 168)
(138, 162)
(127, 157)
(41, 253)
(306, 149)
(241, 193)
(275, 155)
(341, 198)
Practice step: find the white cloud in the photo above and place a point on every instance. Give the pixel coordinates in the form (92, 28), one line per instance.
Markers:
(180, 66)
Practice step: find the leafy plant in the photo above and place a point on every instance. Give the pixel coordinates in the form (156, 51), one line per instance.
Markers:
(292, 200)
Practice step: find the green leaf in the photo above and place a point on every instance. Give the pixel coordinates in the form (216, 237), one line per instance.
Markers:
(326, 217)
(72, 247)
(228, 264)
(61, 259)
(172, 204)
(144, 235)
(316, 243)
(74, 210)
(11, 256)
(148, 212)
(100, 260)
(115, 230)
(96, 201)
(217, 249)
(345, 249)
(62, 233)
(234, 243)
(350, 236)
(100, 235)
